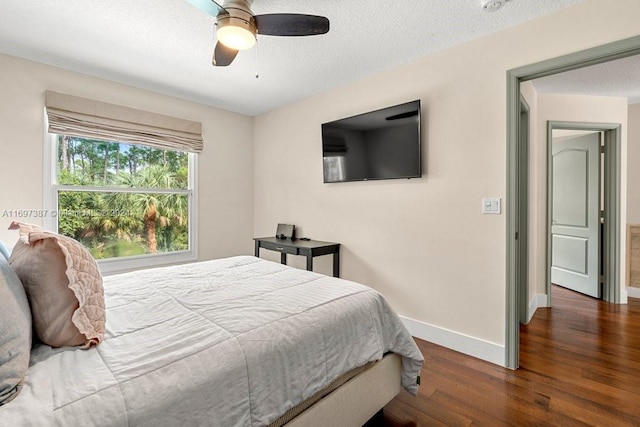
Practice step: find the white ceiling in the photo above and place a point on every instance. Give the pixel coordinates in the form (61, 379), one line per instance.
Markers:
(166, 45)
(614, 78)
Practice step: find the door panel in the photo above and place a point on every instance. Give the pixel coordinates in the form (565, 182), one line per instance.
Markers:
(570, 253)
(570, 190)
(575, 214)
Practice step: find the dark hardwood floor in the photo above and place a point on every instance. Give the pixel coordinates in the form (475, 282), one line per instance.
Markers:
(579, 365)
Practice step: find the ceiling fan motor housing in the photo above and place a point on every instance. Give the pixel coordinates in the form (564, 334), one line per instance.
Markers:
(237, 21)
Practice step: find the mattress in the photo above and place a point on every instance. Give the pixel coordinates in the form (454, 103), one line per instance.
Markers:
(231, 342)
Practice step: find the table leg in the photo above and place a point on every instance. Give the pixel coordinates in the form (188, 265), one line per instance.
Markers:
(283, 258)
(336, 263)
(309, 262)
(257, 249)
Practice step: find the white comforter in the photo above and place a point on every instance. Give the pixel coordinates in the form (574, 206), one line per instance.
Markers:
(231, 342)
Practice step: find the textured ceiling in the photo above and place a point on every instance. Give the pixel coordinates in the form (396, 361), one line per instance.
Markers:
(166, 45)
(615, 78)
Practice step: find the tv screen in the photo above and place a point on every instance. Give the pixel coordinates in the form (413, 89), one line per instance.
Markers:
(381, 144)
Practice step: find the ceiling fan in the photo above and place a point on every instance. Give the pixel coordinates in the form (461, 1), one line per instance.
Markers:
(237, 26)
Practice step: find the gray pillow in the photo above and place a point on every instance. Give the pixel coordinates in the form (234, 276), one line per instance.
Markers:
(4, 251)
(15, 333)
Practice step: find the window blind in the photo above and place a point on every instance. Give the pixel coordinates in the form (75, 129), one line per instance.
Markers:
(75, 116)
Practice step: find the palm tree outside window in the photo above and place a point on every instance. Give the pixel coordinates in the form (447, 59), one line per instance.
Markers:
(123, 200)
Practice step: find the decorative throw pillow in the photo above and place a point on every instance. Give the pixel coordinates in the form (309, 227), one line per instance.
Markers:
(15, 333)
(64, 287)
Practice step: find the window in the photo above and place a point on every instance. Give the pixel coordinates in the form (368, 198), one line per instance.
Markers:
(121, 181)
(123, 201)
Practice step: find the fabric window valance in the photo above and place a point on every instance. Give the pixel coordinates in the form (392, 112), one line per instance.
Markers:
(75, 116)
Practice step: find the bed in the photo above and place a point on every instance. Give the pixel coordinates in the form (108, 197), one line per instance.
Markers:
(239, 341)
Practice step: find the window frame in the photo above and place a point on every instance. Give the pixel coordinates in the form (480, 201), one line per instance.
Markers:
(122, 264)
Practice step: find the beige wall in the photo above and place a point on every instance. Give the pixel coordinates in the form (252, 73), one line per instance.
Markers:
(225, 176)
(424, 242)
(633, 172)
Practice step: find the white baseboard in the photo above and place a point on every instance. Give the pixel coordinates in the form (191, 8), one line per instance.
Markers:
(476, 347)
(539, 300)
(466, 344)
(633, 292)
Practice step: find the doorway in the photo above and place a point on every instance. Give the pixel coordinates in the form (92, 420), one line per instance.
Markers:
(573, 234)
(612, 51)
(577, 193)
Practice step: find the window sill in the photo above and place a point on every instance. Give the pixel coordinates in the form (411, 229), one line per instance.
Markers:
(112, 266)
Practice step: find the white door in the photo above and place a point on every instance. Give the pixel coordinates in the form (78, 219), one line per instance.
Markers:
(575, 214)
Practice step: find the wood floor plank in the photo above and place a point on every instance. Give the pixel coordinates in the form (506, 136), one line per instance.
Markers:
(434, 409)
(578, 394)
(580, 366)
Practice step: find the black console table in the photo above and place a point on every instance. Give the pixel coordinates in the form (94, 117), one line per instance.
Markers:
(308, 248)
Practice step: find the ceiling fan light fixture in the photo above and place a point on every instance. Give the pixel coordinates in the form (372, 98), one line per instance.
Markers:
(237, 27)
(236, 33)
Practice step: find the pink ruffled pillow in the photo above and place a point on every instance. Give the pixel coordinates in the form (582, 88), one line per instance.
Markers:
(63, 284)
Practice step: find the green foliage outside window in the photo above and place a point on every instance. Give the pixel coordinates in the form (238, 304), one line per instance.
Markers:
(116, 224)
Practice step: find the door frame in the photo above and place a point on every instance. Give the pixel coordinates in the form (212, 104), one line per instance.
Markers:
(611, 187)
(524, 130)
(608, 52)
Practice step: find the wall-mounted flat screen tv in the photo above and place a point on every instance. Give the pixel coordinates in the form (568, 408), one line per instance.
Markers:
(381, 144)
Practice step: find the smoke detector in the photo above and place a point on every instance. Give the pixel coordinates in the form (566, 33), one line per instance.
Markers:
(492, 5)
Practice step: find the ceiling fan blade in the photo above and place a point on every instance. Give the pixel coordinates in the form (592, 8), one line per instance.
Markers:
(223, 55)
(291, 24)
(209, 6)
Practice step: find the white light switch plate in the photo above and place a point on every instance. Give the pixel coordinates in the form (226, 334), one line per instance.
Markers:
(491, 206)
